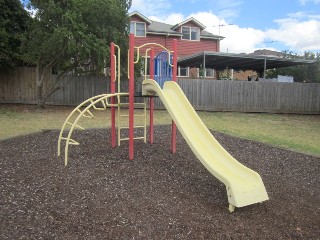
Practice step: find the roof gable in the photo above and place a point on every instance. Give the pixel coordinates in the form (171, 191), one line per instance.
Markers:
(195, 21)
(139, 15)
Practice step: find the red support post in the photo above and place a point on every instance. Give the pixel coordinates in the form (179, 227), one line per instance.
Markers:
(174, 78)
(131, 96)
(112, 90)
(151, 103)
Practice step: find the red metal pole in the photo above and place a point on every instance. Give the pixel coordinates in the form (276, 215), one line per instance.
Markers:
(151, 103)
(131, 96)
(174, 78)
(112, 90)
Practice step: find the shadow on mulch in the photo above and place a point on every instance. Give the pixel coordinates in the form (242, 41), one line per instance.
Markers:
(159, 195)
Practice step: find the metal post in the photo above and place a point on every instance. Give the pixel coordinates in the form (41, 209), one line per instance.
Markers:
(131, 96)
(151, 103)
(264, 68)
(174, 78)
(113, 89)
(204, 64)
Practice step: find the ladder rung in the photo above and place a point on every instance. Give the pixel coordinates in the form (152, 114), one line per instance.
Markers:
(91, 115)
(136, 115)
(138, 138)
(99, 108)
(84, 115)
(135, 104)
(135, 138)
(71, 141)
(76, 125)
(133, 127)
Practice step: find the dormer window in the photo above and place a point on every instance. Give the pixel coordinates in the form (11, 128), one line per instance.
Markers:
(138, 29)
(190, 33)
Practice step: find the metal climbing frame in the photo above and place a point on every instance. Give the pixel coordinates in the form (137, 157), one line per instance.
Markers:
(102, 102)
(83, 110)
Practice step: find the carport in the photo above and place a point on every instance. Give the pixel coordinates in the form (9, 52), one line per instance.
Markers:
(221, 61)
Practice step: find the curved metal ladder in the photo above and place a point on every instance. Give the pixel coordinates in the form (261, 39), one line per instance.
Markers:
(85, 112)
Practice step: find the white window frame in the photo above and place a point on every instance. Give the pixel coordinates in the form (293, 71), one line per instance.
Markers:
(143, 70)
(190, 35)
(133, 28)
(209, 70)
(179, 72)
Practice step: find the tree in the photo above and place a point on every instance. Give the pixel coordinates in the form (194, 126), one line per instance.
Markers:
(13, 25)
(301, 73)
(66, 34)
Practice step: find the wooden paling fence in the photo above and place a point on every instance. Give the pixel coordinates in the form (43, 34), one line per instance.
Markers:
(209, 95)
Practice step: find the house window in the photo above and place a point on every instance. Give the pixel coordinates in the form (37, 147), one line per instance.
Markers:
(190, 33)
(183, 72)
(138, 29)
(145, 71)
(209, 72)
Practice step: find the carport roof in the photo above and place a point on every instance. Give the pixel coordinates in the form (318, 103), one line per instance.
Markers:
(220, 61)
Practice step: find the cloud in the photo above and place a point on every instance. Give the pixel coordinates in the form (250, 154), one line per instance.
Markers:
(296, 34)
(304, 2)
(227, 9)
(172, 19)
(150, 7)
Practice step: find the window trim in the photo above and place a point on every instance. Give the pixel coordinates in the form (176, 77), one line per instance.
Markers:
(179, 75)
(135, 28)
(198, 31)
(212, 70)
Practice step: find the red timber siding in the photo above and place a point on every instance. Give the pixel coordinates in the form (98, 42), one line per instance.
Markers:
(185, 47)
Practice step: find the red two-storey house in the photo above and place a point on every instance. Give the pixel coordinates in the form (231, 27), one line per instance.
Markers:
(190, 34)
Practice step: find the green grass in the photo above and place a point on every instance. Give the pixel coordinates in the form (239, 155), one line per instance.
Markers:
(299, 133)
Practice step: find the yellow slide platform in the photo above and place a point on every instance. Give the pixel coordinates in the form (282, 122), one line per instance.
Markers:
(244, 186)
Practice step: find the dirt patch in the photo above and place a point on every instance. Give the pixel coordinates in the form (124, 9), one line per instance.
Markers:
(159, 195)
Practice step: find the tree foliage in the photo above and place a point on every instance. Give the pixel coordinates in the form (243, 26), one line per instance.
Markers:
(301, 73)
(66, 35)
(13, 25)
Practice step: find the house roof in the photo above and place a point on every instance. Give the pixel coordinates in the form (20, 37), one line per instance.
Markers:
(160, 28)
(220, 61)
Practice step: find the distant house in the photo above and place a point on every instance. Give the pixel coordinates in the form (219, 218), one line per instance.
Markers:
(190, 34)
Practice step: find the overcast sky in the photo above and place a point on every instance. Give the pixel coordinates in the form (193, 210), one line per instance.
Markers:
(248, 25)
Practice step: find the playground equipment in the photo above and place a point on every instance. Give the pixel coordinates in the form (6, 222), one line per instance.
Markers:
(244, 186)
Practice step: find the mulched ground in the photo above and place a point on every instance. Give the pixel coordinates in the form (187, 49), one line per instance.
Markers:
(103, 195)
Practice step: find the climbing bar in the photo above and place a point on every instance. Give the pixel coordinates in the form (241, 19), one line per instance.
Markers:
(117, 65)
(145, 45)
(115, 68)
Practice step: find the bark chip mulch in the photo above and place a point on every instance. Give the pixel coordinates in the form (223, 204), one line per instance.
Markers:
(103, 195)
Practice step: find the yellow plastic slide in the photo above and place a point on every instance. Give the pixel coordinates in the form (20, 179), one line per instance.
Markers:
(244, 186)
